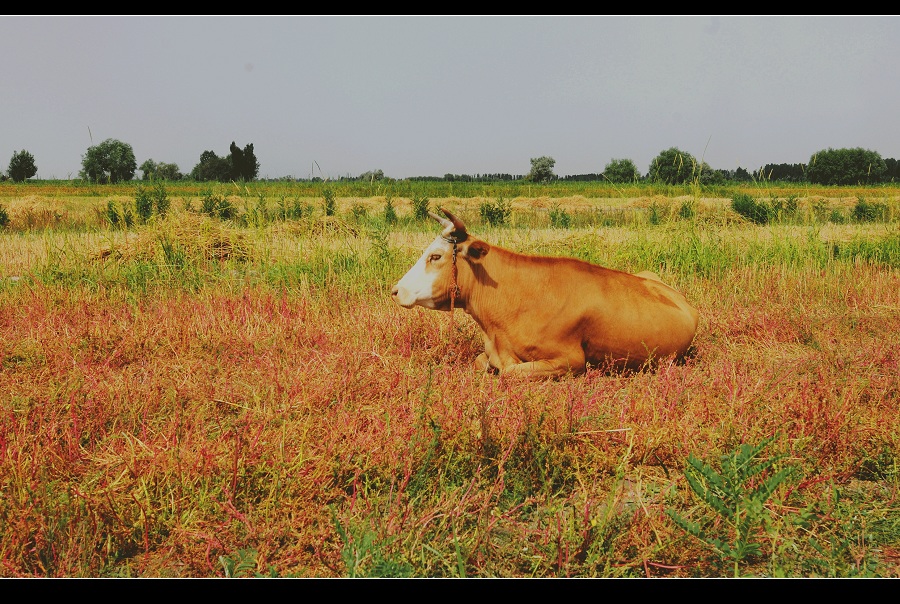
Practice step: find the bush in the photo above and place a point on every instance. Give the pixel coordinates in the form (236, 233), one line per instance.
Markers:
(687, 210)
(160, 199)
(217, 206)
(292, 209)
(496, 213)
(420, 207)
(864, 211)
(390, 214)
(143, 203)
(559, 218)
(330, 206)
(359, 212)
(749, 208)
(4, 217)
(117, 215)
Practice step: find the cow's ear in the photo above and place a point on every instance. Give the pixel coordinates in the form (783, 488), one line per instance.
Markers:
(477, 250)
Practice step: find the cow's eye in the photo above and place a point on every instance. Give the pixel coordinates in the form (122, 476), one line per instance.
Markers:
(435, 257)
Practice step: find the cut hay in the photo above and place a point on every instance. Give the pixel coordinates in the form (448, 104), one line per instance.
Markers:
(192, 235)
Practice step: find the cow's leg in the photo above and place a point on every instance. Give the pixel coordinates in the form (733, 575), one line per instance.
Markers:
(549, 368)
(483, 365)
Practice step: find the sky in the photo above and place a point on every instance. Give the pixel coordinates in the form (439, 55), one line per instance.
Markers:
(333, 96)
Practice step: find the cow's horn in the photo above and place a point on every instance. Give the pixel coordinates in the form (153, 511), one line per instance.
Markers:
(457, 223)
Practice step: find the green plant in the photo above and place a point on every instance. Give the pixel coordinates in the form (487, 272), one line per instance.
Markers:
(243, 565)
(330, 205)
(749, 208)
(654, 216)
(686, 211)
(118, 215)
(217, 206)
(160, 198)
(420, 207)
(738, 494)
(496, 213)
(292, 209)
(390, 214)
(4, 217)
(837, 217)
(559, 218)
(864, 211)
(143, 203)
(364, 556)
(358, 211)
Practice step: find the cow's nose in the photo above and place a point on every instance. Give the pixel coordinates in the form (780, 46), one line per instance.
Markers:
(394, 291)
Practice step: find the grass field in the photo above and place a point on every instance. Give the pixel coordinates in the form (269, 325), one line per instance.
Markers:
(189, 395)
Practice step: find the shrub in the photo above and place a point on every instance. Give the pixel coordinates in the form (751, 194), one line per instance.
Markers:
(559, 218)
(217, 206)
(496, 213)
(864, 211)
(390, 214)
(118, 215)
(160, 199)
(330, 205)
(4, 217)
(292, 209)
(420, 207)
(143, 203)
(749, 208)
(359, 212)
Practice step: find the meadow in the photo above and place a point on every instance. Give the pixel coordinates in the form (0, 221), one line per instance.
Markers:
(204, 380)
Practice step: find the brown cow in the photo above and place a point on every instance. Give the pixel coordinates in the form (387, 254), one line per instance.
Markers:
(543, 316)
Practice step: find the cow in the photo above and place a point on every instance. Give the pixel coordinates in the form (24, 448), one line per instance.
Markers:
(545, 317)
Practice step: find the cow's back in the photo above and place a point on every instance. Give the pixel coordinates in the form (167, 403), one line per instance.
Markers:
(544, 307)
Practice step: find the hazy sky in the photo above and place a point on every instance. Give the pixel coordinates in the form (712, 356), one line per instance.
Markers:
(335, 96)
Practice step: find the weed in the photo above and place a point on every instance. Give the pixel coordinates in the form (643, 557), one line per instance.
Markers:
(390, 213)
(118, 215)
(559, 218)
(358, 212)
(749, 208)
(330, 205)
(496, 213)
(216, 205)
(735, 494)
(864, 211)
(143, 203)
(420, 204)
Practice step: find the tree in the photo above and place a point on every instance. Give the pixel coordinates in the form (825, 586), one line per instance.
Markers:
(674, 166)
(846, 167)
(371, 176)
(542, 169)
(21, 166)
(244, 165)
(212, 168)
(160, 171)
(621, 170)
(110, 161)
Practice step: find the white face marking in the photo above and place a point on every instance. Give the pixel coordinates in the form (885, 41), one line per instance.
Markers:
(417, 285)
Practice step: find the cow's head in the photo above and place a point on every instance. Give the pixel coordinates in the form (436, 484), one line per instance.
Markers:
(429, 282)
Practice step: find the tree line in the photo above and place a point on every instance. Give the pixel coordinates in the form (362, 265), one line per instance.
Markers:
(114, 161)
